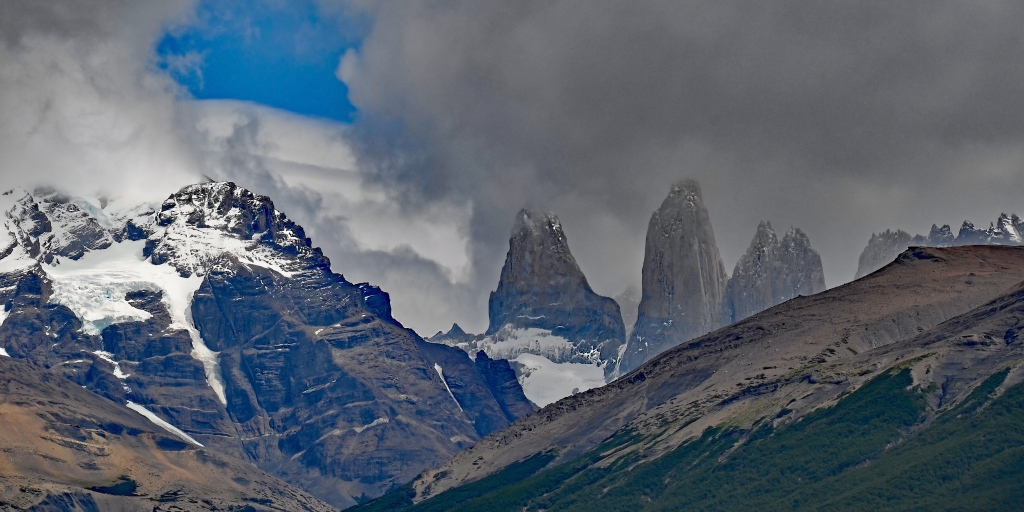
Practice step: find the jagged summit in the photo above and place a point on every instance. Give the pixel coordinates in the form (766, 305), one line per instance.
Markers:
(538, 262)
(1006, 230)
(882, 248)
(538, 224)
(544, 315)
(202, 223)
(541, 286)
(683, 279)
(772, 272)
(689, 190)
(213, 313)
(455, 331)
(454, 336)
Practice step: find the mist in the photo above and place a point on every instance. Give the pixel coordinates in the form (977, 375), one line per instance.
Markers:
(841, 119)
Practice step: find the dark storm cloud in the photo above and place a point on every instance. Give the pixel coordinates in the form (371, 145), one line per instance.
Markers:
(70, 18)
(841, 118)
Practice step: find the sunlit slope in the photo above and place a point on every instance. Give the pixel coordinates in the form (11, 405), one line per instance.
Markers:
(65, 448)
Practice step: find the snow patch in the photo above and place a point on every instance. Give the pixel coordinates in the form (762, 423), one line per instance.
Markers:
(510, 342)
(440, 373)
(545, 382)
(161, 423)
(108, 357)
(94, 288)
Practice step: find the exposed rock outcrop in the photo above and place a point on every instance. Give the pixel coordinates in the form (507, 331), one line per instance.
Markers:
(629, 302)
(883, 247)
(772, 272)
(542, 287)
(215, 312)
(683, 277)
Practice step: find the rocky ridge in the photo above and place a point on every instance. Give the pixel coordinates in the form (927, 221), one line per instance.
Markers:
(950, 315)
(216, 314)
(883, 247)
(772, 272)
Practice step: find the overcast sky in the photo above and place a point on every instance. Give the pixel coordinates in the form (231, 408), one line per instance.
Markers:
(405, 135)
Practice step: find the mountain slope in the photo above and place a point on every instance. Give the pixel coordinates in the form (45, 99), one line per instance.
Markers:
(880, 447)
(65, 448)
(795, 356)
(216, 313)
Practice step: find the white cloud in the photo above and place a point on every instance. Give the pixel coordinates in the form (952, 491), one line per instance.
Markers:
(308, 168)
(86, 111)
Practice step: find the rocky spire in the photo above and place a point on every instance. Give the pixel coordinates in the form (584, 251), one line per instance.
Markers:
(683, 277)
(541, 286)
(882, 248)
(772, 272)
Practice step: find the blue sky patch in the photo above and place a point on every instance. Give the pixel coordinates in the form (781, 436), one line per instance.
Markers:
(279, 54)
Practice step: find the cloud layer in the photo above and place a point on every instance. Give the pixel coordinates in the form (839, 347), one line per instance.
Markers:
(840, 118)
(82, 106)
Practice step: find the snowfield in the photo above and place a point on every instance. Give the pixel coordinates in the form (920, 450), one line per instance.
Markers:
(94, 288)
(545, 382)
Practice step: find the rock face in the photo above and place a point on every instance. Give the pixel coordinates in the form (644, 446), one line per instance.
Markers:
(629, 302)
(216, 313)
(683, 277)
(561, 337)
(882, 248)
(772, 272)
(542, 287)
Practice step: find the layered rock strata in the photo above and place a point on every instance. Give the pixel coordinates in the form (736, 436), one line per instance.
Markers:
(214, 312)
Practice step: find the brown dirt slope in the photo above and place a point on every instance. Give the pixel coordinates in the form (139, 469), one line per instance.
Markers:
(65, 448)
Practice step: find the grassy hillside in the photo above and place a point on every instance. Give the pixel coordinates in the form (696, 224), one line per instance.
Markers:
(871, 451)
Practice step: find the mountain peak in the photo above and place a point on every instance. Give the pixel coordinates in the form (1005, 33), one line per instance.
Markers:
(455, 331)
(537, 223)
(686, 187)
(543, 290)
(683, 277)
(202, 223)
(771, 272)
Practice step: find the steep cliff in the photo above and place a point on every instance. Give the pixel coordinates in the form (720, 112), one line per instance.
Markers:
(772, 272)
(561, 336)
(683, 278)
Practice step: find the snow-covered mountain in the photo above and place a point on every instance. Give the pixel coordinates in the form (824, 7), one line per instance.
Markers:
(883, 247)
(213, 315)
(563, 337)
